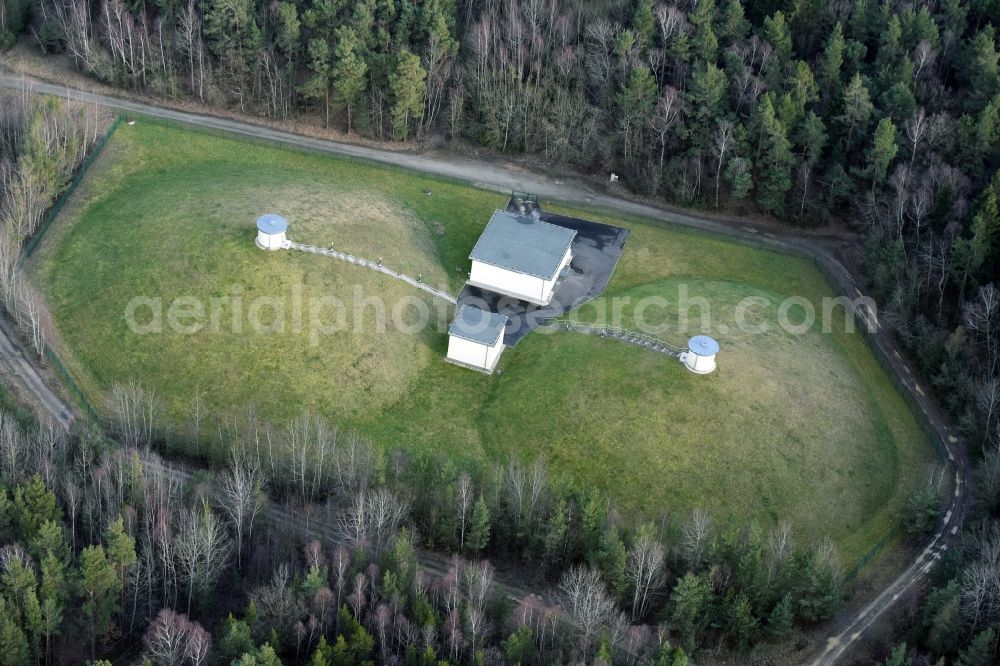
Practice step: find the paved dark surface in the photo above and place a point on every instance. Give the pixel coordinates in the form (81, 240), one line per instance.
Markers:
(596, 250)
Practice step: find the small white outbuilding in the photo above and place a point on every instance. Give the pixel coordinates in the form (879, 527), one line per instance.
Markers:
(521, 256)
(700, 354)
(271, 230)
(475, 338)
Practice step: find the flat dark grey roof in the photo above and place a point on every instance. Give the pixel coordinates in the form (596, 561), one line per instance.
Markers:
(477, 325)
(523, 244)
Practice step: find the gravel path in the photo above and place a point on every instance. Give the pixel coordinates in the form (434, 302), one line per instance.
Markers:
(821, 248)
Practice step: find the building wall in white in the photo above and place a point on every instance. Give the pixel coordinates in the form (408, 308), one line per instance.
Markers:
(700, 364)
(519, 285)
(270, 241)
(493, 354)
(471, 353)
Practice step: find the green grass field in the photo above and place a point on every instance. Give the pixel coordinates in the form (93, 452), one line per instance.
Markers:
(806, 428)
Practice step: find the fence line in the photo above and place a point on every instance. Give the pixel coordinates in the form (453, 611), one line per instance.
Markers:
(923, 420)
(29, 248)
(350, 258)
(81, 171)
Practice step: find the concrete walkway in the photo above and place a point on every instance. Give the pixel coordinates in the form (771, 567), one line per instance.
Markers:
(630, 337)
(358, 261)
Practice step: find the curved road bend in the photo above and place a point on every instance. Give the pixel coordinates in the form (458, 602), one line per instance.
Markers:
(503, 179)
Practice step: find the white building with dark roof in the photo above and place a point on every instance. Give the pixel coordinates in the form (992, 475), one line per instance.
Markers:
(521, 257)
(475, 338)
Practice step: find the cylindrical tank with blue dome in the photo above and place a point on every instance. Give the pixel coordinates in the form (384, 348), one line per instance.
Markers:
(700, 354)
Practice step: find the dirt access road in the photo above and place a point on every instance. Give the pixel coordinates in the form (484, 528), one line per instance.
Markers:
(845, 631)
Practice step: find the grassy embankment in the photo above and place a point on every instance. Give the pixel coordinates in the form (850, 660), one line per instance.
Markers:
(805, 428)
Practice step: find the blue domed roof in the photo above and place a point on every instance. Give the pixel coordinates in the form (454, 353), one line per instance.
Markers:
(272, 223)
(702, 345)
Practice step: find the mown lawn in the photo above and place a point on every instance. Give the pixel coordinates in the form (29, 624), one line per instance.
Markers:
(805, 428)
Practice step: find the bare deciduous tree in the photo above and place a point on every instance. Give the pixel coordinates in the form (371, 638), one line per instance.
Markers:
(277, 602)
(134, 411)
(721, 142)
(697, 533)
(665, 116)
(202, 550)
(645, 571)
(589, 608)
(980, 583)
(981, 317)
(241, 496)
(463, 504)
(372, 519)
(168, 637)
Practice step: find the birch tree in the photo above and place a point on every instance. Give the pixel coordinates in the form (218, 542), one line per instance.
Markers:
(645, 571)
(241, 496)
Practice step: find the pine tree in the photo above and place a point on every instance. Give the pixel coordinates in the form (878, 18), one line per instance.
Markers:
(13, 643)
(890, 51)
(33, 623)
(819, 587)
(267, 656)
(519, 646)
(289, 29)
(643, 23)
(406, 84)
(944, 626)
(233, 36)
(704, 44)
(50, 539)
(6, 510)
(733, 25)
(899, 657)
(33, 505)
(349, 73)
(779, 36)
(858, 109)
(831, 62)
(689, 603)
(53, 578)
(775, 162)
(98, 583)
(235, 639)
(883, 150)
(323, 654)
(318, 85)
(739, 175)
(802, 86)
(479, 527)
(636, 100)
(708, 87)
(781, 619)
(594, 519)
(981, 650)
(52, 617)
(120, 549)
(981, 67)
(740, 620)
(668, 655)
(609, 559)
(556, 532)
